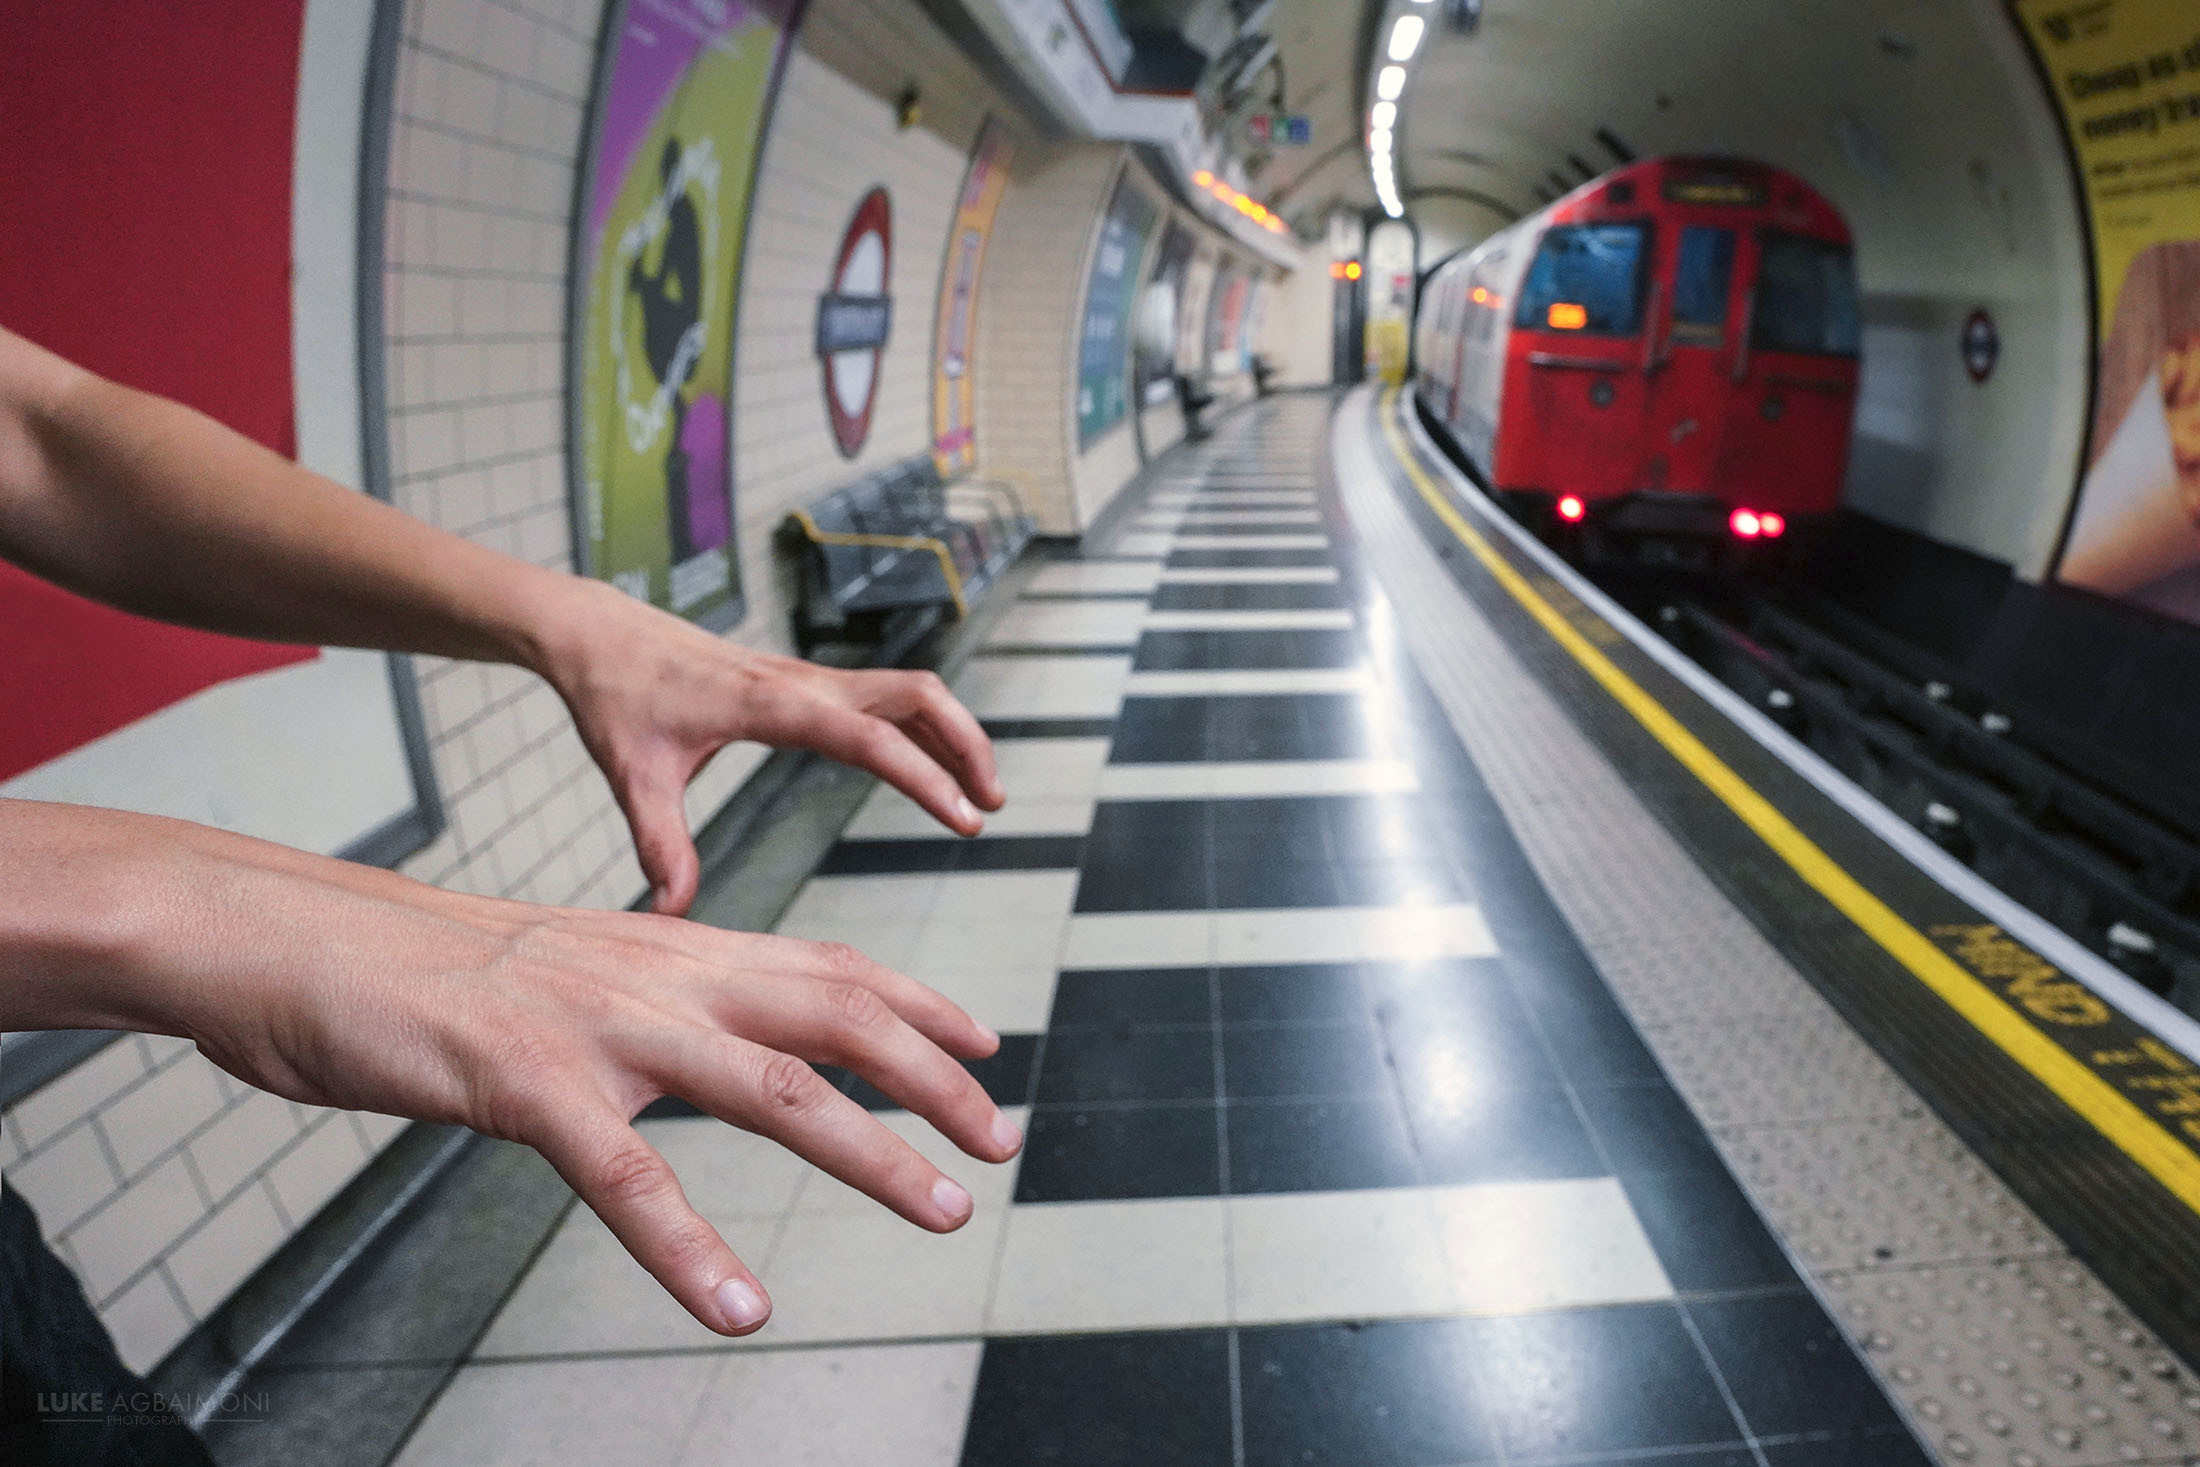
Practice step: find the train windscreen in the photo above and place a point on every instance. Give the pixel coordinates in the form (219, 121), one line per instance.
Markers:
(1806, 297)
(1586, 278)
(1701, 278)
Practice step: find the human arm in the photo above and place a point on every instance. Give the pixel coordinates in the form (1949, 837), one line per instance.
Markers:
(144, 504)
(337, 984)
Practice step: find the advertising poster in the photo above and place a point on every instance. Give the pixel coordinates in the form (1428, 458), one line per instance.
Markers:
(681, 102)
(955, 336)
(1103, 342)
(1225, 314)
(1159, 306)
(2125, 75)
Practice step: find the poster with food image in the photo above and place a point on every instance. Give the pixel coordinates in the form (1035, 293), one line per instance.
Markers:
(955, 333)
(2125, 77)
(682, 98)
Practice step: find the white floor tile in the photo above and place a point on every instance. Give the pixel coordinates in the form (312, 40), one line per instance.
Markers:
(606, 1413)
(1139, 940)
(1278, 515)
(1415, 933)
(585, 1294)
(979, 899)
(1252, 575)
(1251, 498)
(1337, 1255)
(1249, 621)
(728, 1174)
(1008, 1000)
(1277, 778)
(854, 1406)
(1043, 687)
(1065, 576)
(1248, 682)
(1111, 1265)
(1100, 623)
(1545, 1245)
(1142, 544)
(1286, 935)
(871, 1276)
(990, 1185)
(1252, 541)
(1049, 769)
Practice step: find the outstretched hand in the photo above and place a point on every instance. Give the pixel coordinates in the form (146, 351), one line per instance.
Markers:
(654, 698)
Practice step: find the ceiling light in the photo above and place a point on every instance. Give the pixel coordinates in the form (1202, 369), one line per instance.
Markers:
(1389, 82)
(1379, 140)
(1405, 37)
(1383, 114)
(1394, 209)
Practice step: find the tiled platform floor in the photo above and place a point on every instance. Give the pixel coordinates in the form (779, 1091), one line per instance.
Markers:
(1333, 1156)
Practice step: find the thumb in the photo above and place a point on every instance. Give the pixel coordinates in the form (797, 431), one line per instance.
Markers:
(657, 816)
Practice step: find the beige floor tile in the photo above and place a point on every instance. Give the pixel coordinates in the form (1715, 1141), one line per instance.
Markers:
(858, 1406)
(605, 1413)
(1111, 1265)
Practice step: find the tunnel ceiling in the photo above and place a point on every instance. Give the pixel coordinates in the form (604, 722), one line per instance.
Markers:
(1872, 100)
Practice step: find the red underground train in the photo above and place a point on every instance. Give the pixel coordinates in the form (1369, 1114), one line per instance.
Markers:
(1663, 361)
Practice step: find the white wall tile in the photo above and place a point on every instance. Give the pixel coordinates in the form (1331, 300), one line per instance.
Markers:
(135, 1227)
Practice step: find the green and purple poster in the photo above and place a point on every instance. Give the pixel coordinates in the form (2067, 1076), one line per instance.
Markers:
(681, 102)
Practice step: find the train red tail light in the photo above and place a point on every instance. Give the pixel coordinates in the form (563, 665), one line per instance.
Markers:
(1571, 509)
(1745, 523)
(1773, 525)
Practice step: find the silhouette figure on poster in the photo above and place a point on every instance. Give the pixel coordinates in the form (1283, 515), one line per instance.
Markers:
(671, 301)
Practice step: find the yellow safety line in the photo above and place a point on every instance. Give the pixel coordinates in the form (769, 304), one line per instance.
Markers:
(891, 542)
(2132, 1131)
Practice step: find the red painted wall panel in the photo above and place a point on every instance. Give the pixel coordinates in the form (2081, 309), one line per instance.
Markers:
(145, 195)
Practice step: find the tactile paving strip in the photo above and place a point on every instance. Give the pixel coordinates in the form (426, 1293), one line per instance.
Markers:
(2000, 1347)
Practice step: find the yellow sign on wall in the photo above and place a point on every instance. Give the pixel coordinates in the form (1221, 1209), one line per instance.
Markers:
(2125, 76)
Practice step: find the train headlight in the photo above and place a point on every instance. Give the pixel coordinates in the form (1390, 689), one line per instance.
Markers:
(1746, 523)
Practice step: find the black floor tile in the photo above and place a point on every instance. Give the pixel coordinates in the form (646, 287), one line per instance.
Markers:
(1005, 1074)
(1705, 1232)
(1113, 1400)
(1268, 830)
(1129, 833)
(1398, 883)
(953, 853)
(1303, 1061)
(1109, 998)
(1048, 728)
(1443, 1051)
(1589, 1038)
(1467, 1134)
(1255, 882)
(1383, 828)
(1161, 731)
(1117, 1066)
(1165, 879)
(1318, 1146)
(1582, 1381)
(1891, 1448)
(1218, 651)
(1298, 993)
(1394, 1394)
(1647, 1128)
(1116, 1155)
(1211, 559)
(1788, 1367)
(1287, 597)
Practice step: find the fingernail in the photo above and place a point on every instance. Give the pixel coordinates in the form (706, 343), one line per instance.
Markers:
(989, 1035)
(951, 1199)
(741, 1304)
(1006, 1134)
(966, 810)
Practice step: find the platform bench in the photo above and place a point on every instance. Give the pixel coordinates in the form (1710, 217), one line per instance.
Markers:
(898, 541)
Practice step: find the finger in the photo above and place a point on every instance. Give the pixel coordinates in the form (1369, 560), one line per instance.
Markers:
(632, 1188)
(656, 813)
(747, 954)
(875, 744)
(779, 1097)
(951, 733)
(850, 1025)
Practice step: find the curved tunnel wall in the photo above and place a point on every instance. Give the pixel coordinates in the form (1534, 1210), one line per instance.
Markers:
(163, 1181)
(1924, 122)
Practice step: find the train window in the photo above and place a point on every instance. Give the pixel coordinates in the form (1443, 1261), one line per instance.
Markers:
(1700, 282)
(1586, 278)
(1806, 297)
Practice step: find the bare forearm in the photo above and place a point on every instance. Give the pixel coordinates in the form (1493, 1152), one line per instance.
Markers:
(147, 505)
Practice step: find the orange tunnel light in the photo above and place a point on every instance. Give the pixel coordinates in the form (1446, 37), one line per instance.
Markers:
(1481, 295)
(1567, 316)
(1203, 178)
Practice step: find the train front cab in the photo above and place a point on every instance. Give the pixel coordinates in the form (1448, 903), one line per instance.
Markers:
(1681, 370)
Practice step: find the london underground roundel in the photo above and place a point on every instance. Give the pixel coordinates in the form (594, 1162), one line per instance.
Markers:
(854, 318)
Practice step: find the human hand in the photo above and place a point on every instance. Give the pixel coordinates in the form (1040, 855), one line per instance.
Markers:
(654, 698)
(335, 984)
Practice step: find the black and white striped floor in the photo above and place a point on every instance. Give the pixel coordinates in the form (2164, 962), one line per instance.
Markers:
(1339, 1149)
